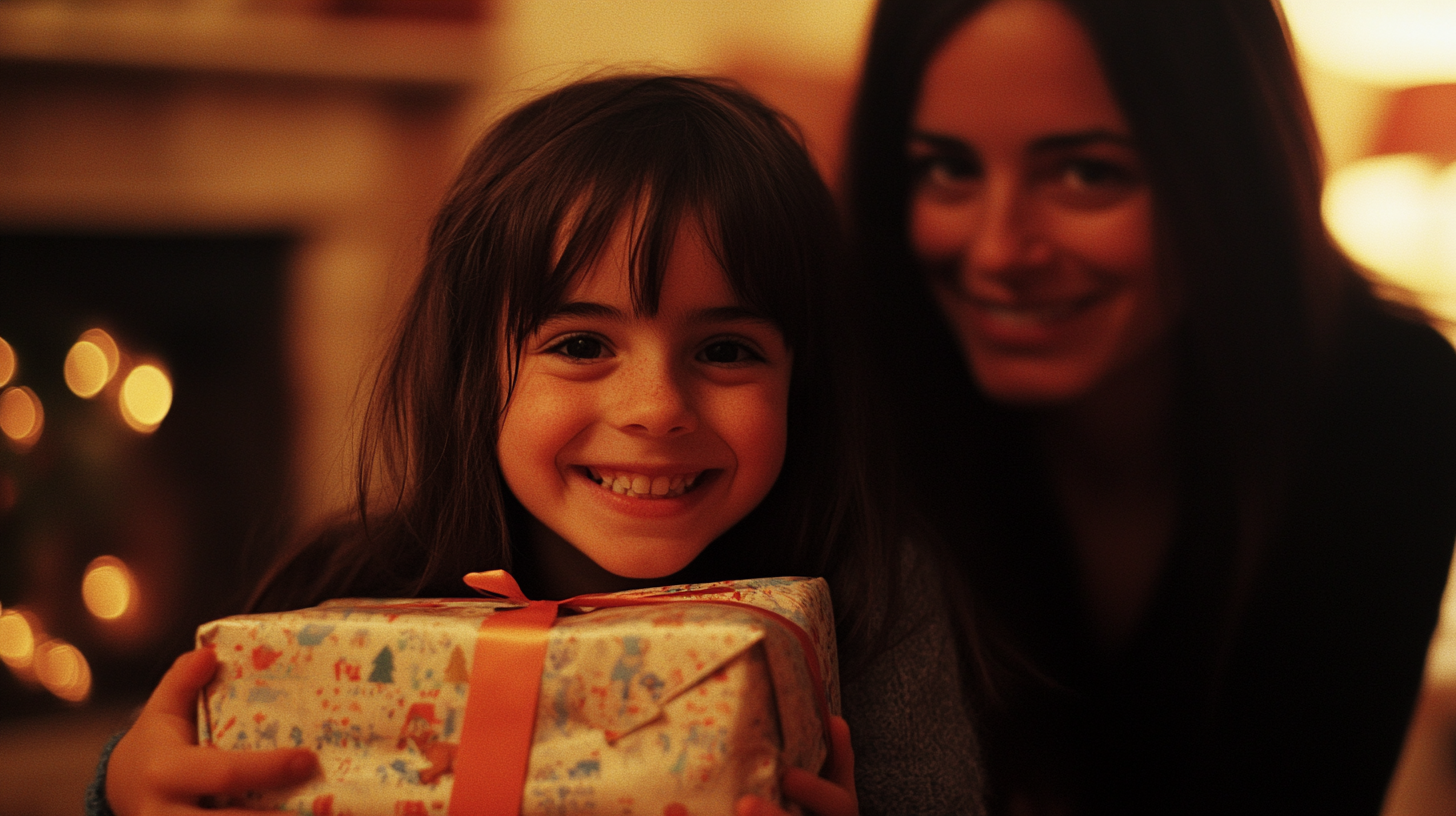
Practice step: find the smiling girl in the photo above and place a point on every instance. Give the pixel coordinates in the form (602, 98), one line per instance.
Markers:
(625, 364)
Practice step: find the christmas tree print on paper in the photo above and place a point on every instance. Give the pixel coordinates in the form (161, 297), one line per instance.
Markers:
(383, 667)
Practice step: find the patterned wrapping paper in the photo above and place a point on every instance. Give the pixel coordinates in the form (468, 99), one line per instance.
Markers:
(669, 708)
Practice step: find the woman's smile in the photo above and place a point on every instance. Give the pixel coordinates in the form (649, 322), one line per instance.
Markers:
(1029, 210)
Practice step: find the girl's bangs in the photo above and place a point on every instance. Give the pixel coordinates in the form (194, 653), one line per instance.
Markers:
(623, 167)
(589, 227)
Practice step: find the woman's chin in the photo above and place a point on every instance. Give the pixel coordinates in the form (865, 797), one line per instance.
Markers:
(1031, 386)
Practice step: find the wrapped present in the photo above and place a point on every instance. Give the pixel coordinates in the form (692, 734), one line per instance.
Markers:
(675, 700)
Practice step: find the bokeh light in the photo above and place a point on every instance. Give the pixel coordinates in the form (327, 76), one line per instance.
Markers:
(21, 416)
(7, 362)
(108, 346)
(108, 588)
(1382, 42)
(63, 670)
(17, 639)
(1396, 215)
(146, 397)
(91, 363)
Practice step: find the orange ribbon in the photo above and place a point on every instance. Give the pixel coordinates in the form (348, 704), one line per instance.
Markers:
(496, 733)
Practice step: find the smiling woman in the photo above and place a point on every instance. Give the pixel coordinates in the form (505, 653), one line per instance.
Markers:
(1030, 211)
(1196, 476)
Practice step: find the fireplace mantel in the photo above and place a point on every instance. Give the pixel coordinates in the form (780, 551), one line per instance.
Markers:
(168, 117)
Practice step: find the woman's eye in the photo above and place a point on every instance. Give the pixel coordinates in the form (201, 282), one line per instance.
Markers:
(1090, 183)
(1089, 173)
(942, 171)
(942, 167)
(580, 347)
(728, 351)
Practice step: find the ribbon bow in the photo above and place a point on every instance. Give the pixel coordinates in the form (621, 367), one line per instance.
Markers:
(509, 654)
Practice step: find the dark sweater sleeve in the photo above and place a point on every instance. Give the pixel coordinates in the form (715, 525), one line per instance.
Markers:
(1336, 640)
(915, 747)
(96, 804)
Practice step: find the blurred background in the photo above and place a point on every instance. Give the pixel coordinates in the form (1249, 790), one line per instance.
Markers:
(210, 211)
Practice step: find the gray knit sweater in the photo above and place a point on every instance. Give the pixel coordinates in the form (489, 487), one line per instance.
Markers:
(915, 748)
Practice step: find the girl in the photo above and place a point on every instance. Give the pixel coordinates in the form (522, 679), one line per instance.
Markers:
(625, 364)
(1200, 476)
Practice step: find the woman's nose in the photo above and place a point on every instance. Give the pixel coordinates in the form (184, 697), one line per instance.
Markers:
(651, 399)
(1003, 238)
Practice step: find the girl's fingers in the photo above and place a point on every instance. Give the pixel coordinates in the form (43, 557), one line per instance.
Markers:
(757, 806)
(818, 795)
(841, 754)
(211, 771)
(830, 795)
(176, 694)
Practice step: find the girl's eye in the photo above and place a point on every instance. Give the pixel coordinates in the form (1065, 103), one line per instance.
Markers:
(727, 352)
(580, 347)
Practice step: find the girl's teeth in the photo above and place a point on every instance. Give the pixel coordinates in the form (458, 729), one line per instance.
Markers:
(642, 486)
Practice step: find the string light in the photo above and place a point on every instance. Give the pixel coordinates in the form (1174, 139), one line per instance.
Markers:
(21, 416)
(146, 397)
(7, 362)
(91, 363)
(108, 588)
(63, 670)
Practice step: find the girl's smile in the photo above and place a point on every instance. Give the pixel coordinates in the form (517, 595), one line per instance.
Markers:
(639, 485)
(637, 438)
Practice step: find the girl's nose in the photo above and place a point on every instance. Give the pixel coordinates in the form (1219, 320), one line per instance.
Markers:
(652, 400)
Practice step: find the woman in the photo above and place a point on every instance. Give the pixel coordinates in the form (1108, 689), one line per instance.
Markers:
(1201, 480)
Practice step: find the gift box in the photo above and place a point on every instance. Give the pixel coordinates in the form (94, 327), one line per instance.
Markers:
(675, 700)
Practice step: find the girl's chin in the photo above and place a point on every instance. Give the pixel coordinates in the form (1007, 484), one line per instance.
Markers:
(649, 569)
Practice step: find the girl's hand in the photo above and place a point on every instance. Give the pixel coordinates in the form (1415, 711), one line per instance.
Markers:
(157, 769)
(831, 795)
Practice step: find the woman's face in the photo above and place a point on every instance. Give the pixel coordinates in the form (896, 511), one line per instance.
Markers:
(1029, 211)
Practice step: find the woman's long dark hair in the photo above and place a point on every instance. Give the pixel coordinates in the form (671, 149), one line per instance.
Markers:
(1218, 115)
(537, 201)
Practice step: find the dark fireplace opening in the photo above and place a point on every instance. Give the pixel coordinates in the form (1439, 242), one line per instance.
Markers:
(186, 513)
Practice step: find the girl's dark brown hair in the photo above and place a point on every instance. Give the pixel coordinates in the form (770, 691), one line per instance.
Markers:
(1218, 115)
(535, 204)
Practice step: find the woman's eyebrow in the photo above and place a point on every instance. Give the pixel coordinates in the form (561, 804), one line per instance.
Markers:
(938, 141)
(1071, 141)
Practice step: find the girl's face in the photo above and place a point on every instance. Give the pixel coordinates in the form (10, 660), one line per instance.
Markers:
(1029, 211)
(640, 439)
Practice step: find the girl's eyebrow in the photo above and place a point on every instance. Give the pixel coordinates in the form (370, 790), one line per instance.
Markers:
(712, 314)
(583, 308)
(728, 314)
